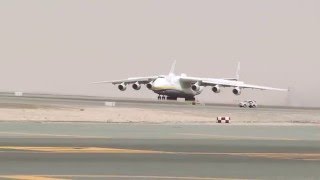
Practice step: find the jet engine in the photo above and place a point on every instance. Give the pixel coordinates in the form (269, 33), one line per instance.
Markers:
(122, 87)
(149, 85)
(216, 89)
(195, 87)
(236, 91)
(136, 86)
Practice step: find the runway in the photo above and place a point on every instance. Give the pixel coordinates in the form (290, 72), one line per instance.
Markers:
(57, 99)
(286, 147)
(44, 107)
(124, 151)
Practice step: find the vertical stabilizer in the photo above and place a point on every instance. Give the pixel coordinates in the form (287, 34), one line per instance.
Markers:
(173, 66)
(238, 72)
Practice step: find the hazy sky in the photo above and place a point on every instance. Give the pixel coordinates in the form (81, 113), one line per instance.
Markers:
(60, 46)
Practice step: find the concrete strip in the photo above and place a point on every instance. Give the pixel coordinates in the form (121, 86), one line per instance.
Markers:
(237, 137)
(52, 135)
(283, 156)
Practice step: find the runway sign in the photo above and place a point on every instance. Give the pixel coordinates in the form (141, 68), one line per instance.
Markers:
(110, 104)
(18, 93)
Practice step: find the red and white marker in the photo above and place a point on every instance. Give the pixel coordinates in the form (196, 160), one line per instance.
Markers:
(221, 119)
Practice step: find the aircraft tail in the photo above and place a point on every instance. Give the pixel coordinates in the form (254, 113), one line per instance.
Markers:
(173, 66)
(238, 72)
(237, 78)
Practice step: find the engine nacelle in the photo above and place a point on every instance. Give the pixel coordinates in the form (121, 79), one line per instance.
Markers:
(122, 87)
(149, 85)
(236, 91)
(136, 86)
(195, 87)
(216, 89)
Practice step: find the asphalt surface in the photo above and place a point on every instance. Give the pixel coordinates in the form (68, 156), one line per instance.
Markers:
(35, 100)
(269, 115)
(124, 151)
(34, 150)
(56, 99)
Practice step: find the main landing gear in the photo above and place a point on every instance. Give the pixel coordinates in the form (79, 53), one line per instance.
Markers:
(161, 97)
(172, 98)
(190, 99)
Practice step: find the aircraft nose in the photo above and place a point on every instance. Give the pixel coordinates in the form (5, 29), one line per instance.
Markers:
(158, 84)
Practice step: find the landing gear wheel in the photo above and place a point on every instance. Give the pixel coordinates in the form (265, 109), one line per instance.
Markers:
(190, 99)
(163, 98)
(172, 98)
(159, 97)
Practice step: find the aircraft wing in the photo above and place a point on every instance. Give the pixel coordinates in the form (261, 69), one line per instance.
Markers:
(141, 80)
(249, 86)
(226, 83)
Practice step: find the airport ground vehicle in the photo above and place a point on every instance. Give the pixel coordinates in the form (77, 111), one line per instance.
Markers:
(250, 104)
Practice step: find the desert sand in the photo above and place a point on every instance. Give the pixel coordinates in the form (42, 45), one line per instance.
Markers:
(139, 115)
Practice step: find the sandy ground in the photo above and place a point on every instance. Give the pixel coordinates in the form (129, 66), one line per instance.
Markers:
(106, 114)
(140, 115)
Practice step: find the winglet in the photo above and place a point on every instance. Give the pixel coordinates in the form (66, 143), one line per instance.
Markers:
(173, 66)
(238, 72)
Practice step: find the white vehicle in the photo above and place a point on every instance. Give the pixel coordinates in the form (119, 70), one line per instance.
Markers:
(250, 104)
(182, 86)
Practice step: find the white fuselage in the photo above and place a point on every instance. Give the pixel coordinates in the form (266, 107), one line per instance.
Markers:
(172, 86)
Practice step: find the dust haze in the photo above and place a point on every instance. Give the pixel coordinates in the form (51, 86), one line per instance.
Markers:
(61, 46)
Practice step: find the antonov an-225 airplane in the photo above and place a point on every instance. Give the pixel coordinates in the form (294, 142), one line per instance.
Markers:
(172, 86)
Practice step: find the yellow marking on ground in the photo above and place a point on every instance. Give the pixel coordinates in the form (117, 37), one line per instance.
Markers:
(50, 135)
(237, 137)
(54, 177)
(25, 177)
(79, 150)
(287, 156)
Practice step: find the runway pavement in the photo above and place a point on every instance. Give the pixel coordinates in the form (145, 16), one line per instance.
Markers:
(127, 151)
(72, 150)
(207, 111)
(58, 99)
